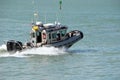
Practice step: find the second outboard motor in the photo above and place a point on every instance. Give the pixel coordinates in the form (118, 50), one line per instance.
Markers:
(13, 46)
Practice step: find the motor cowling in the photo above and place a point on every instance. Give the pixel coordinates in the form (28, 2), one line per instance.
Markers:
(13, 46)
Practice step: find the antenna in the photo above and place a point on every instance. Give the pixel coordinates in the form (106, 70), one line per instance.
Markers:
(35, 16)
(56, 19)
(35, 12)
(45, 17)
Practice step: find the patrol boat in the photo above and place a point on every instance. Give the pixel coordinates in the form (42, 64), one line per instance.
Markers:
(50, 34)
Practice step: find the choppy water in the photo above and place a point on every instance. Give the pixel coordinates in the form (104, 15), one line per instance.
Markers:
(96, 57)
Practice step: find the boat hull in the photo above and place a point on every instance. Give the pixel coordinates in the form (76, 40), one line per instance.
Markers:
(70, 38)
(68, 42)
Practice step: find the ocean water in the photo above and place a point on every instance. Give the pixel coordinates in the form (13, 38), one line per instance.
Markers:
(95, 57)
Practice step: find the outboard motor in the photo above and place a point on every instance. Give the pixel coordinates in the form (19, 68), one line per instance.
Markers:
(13, 46)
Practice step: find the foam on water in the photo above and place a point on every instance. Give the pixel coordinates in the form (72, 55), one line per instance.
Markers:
(3, 48)
(45, 51)
(50, 51)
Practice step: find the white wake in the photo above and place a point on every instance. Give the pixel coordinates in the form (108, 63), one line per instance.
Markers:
(50, 51)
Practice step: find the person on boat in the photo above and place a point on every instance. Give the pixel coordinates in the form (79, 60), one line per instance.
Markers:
(58, 36)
